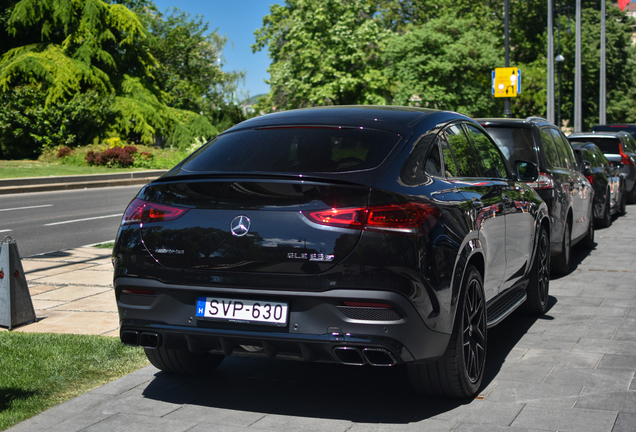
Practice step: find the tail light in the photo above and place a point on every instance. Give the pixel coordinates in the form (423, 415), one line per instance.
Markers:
(625, 159)
(141, 211)
(408, 218)
(590, 178)
(545, 181)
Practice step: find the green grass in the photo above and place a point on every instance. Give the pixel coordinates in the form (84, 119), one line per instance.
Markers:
(28, 168)
(41, 370)
(48, 164)
(108, 245)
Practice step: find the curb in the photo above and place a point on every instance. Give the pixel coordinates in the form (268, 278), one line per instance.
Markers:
(45, 184)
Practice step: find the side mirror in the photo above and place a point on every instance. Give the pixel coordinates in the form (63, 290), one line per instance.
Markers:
(586, 167)
(527, 171)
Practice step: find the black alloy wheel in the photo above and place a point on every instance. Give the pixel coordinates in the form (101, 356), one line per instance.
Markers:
(539, 286)
(182, 361)
(460, 371)
(606, 220)
(561, 262)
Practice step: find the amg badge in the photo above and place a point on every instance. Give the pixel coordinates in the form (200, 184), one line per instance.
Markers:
(311, 257)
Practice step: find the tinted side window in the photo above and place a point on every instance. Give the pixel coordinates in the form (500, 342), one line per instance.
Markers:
(462, 151)
(550, 155)
(433, 164)
(607, 145)
(631, 144)
(450, 167)
(599, 156)
(565, 150)
(491, 159)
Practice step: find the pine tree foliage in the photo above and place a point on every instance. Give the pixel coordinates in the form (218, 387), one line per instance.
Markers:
(66, 48)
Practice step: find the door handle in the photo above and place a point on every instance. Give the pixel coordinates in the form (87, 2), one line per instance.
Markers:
(476, 203)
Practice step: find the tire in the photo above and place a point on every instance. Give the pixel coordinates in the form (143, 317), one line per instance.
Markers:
(588, 240)
(459, 372)
(606, 220)
(631, 197)
(622, 209)
(183, 362)
(539, 287)
(561, 262)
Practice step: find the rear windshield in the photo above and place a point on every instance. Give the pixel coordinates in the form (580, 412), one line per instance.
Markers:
(294, 150)
(515, 143)
(607, 145)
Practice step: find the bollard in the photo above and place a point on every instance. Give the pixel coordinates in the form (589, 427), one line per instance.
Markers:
(16, 307)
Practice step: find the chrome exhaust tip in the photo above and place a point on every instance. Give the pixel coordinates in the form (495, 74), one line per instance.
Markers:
(349, 356)
(379, 357)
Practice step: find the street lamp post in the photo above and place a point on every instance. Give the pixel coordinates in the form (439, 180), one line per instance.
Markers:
(559, 59)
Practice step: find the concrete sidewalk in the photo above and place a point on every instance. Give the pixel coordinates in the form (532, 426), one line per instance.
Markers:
(72, 292)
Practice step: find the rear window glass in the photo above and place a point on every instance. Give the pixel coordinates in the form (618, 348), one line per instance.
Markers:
(515, 143)
(294, 149)
(607, 145)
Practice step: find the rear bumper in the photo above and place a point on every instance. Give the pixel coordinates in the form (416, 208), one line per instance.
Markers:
(317, 328)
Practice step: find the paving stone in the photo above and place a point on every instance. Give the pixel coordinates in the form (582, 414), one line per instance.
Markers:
(126, 422)
(606, 346)
(606, 399)
(613, 361)
(625, 423)
(557, 357)
(302, 424)
(565, 419)
(602, 378)
(539, 394)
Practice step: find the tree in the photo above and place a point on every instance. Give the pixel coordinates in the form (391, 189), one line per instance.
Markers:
(323, 53)
(70, 47)
(190, 62)
(439, 65)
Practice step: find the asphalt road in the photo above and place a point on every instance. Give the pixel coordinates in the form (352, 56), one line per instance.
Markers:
(51, 221)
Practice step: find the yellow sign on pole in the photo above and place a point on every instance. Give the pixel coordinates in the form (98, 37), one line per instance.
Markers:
(506, 82)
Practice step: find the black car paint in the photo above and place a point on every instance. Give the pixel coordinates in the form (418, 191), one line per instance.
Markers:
(420, 276)
(571, 198)
(607, 181)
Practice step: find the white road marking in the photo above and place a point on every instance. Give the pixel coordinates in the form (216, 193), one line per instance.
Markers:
(26, 208)
(7, 230)
(82, 220)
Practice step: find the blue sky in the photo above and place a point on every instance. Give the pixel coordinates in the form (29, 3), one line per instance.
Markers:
(237, 20)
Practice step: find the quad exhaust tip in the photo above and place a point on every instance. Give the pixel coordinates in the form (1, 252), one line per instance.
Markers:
(354, 356)
(143, 339)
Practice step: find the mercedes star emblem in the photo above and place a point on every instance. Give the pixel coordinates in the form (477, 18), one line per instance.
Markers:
(240, 226)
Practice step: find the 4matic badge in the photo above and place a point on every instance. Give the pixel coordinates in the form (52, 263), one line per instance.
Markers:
(310, 257)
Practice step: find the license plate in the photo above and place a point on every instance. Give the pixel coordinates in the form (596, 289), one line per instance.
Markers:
(242, 311)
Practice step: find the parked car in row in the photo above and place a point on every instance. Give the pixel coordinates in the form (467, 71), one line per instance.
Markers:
(609, 185)
(625, 127)
(358, 235)
(620, 149)
(561, 184)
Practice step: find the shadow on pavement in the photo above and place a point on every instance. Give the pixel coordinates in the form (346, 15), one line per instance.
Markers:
(328, 391)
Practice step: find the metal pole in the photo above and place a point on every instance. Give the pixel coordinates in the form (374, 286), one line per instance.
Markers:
(578, 103)
(602, 108)
(559, 60)
(550, 88)
(507, 110)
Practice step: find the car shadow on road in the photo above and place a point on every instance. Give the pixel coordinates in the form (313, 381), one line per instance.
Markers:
(329, 391)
